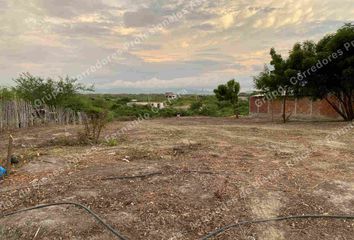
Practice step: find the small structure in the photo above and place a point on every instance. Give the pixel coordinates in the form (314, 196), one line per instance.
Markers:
(158, 105)
(171, 95)
(243, 96)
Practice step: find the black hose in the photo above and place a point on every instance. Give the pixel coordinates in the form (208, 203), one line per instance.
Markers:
(126, 178)
(100, 220)
(132, 177)
(166, 173)
(212, 234)
(223, 229)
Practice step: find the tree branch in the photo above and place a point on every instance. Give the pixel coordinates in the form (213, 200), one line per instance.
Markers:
(336, 109)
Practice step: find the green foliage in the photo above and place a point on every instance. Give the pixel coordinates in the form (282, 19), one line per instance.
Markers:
(277, 81)
(97, 111)
(243, 107)
(316, 70)
(210, 110)
(274, 79)
(188, 105)
(196, 106)
(229, 92)
(211, 106)
(7, 94)
(41, 91)
(337, 77)
(112, 142)
(139, 97)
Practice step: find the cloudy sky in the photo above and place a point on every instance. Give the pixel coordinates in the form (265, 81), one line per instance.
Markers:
(157, 45)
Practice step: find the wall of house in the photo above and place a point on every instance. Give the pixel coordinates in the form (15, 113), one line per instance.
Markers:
(298, 108)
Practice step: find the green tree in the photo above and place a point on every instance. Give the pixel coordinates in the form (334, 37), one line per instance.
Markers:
(322, 71)
(275, 81)
(301, 58)
(40, 91)
(229, 92)
(334, 78)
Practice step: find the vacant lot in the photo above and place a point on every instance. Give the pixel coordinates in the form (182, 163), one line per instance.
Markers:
(204, 173)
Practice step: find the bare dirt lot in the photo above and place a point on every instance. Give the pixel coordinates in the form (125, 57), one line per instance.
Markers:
(202, 174)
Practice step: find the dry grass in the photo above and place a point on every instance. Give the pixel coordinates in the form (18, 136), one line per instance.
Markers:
(251, 180)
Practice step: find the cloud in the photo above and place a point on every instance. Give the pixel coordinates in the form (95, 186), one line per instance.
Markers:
(205, 27)
(196, 83)
(141, 18)
(72, 8)
(83, 29)
(227, 20)
(3, 5)
(218, 40)
(201, 16)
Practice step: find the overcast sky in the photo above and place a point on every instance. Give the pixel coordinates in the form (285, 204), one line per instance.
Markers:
(209, 43)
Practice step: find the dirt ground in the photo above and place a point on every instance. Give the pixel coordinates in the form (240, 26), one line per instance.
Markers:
(206, 173)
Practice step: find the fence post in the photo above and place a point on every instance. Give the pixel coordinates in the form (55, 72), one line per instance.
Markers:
(9, 154)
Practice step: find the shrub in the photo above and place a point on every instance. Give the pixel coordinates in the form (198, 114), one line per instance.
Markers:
(210, 110)
(169, 112)
(97, 115)
(196, 106)
(112, 142)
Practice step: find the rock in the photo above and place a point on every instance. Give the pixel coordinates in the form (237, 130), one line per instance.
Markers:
(14, 159)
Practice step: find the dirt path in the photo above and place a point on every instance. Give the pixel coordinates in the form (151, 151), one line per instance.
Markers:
(265, 207)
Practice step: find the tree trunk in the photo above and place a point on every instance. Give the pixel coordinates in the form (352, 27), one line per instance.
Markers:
(342, 113)
(236, 110)
(350, 105)
(346, 102)
(284, 107)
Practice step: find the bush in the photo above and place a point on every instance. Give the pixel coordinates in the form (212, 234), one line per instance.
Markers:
(97, 115)
(7, 94)
(196, 106)
(212, 107)
(244, 107)
(112, 142)
(169, 112)
(210, 110)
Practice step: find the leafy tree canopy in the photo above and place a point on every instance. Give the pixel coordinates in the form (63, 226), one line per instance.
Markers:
(323, 70)
(40, 91)
(229, 92)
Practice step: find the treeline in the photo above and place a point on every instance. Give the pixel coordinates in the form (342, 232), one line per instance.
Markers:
(95, 110)
(322, 70)
(185, 105)
(67, 93)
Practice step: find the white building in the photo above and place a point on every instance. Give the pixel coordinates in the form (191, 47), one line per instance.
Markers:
(158, 105)
(171, 95)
